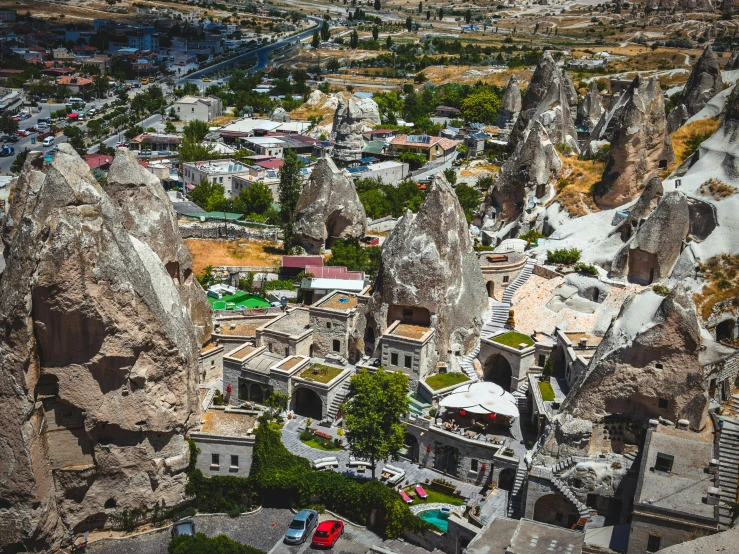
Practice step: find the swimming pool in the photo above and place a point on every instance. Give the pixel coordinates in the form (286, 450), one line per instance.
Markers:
(437, 518)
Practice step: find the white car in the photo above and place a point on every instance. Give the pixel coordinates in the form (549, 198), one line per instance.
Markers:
(48, 141)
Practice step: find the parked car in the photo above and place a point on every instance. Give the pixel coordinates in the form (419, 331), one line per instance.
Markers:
(13, 138)
(183, 527)
(22, 133)
(5, 138)
(121, 145)
(301, 526)
(17, 118)
(42, 125)
(48, 141)
(327, 533)
(7, 151)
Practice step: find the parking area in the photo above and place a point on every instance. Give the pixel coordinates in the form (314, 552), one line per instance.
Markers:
(263, 530)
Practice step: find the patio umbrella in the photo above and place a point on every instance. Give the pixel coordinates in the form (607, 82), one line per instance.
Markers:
(482, 397)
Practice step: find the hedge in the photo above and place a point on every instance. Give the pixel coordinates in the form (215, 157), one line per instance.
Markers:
(275, 472)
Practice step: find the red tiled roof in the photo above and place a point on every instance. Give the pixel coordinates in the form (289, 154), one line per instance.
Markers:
(75, 81)
(271, 164)
(97, 160)
(301, 262)
(401, 140)
(334, 272)
(448, 144)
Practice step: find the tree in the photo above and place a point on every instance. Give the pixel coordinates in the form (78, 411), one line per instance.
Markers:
(420, 8)
(375, 32)
(289, 194)
(8, 125)
(377, 5)
(19, 160)
(469, 199)
(325, 31)
(409, 23)
(193, 151)
(481, 106)
(277, 401)
(333, 65)
(441, 14)
(467, 16)
(351, 254)
(199, 543)
(196, 130)
(209, 196)
(316, 42)
(450, 175)
(256, 199)
(388, 42)
(428, 15)
(354, 40)
(372, 415)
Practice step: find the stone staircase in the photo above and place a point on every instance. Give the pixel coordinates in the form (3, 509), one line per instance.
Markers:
(565, 464)
(516, 499)
(522, 397)
(466, 364)
(338, 400)
(563, 488)
(499, 314)
(728, 471)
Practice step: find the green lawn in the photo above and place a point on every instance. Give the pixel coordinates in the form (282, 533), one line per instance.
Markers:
(435, 497)
(444, 380)
(513, 339)
(320, 373)
(321, 444)
(547, 392)
(240, 299)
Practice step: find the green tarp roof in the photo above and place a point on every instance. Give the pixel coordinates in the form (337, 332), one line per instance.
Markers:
(374, 147)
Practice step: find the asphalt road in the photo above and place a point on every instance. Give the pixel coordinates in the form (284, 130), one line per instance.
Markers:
(25, 142)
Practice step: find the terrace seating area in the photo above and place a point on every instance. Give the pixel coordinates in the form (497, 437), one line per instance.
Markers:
(326, 463)
(392, 475)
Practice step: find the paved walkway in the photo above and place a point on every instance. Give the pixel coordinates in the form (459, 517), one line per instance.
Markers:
(413, 473)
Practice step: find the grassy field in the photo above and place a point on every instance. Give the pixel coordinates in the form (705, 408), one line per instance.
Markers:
(239, 252)
(686, 139)
(325, 373)
(444, 380)
(575, 187)
(513, 339)
(321, 444)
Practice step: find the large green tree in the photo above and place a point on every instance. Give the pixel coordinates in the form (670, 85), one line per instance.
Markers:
(372, 415)
(8, 125)
(195, 151)
(481, 106)
(469, 199)
(200, 543)
(209, 196)
(196, 130)
(291, 183)
(256, 199)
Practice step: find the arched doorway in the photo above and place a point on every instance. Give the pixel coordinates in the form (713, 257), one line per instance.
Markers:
(555, 510)
(498, 370)
(491, 288)
(506, 478)
(725, 330)
(307, 403)
(410, 449)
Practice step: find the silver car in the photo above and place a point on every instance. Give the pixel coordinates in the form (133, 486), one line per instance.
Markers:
(301, 526)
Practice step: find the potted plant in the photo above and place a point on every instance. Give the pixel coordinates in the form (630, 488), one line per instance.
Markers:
(477, 510)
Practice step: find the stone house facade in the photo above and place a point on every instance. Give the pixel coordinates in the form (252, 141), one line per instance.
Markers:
(334, 320)
(289, 335)
(499, 270)
(505, 365)
(226, 441)
(408, 348)
(210, 363)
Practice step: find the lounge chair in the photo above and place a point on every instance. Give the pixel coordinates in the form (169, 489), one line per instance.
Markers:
(405, 497)
(421, 493)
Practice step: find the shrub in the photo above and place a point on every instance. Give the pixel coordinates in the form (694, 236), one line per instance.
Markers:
(586, 268)
(531, 236)
(661, 290)
(565, 256)
(187, 544)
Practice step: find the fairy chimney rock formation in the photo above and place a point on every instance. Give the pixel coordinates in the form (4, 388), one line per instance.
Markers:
(510, 106)
(703, 84)
(733, 61)
(98, 359)
(640, 144)
(547, 101)
(591, 109)
(429, 275)
(148, 216)
(647, 365)
(328, 209)
(527, 175)
(353, 117)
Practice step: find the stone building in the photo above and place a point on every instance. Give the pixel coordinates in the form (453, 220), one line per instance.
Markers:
(226, 441)
(407, 347)
(676, 496)
(210, 362)
(500, 269)
(507, 357)
(525, 536)
(572, 354)
(334, 319)
(289, 335)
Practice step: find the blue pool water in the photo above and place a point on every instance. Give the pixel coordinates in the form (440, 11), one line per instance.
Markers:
(437, 518)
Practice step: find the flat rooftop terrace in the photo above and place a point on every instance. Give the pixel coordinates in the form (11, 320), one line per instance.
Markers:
(295, 322)
(221, 422)
(410, 331)
(338, 301)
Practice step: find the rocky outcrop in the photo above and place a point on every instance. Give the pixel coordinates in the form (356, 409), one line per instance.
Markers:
(591, 109)
(642, 208)
(664, 6)
(640, 145)
(148, 216)
(429, 274)
(656, 245)
(527, 176)
(646, 365)
(510, 106)
(352, 118)
(703, 84)
(570, 92)
(328, 209)
(547, 102)
(733, 62)
(98, 362)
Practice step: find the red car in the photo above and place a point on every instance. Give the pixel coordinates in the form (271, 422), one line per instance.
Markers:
(22, 133)
(327, 533)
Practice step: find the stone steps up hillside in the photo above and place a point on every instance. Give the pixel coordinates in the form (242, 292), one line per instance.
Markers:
(728, 471)
(563, 488)
(499, 313)
(516, 498)
(338, 400)
(466, 364)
